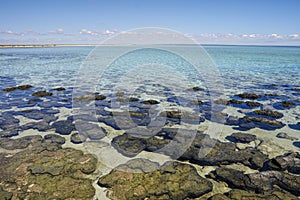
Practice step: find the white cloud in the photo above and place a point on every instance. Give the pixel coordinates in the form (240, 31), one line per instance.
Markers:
(57, 31)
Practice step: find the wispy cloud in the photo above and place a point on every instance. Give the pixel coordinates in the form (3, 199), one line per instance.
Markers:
(57, 31)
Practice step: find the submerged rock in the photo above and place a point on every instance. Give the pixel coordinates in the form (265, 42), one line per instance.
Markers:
(20, 87)
(248, 96)
(42, 93)
(64, 127)
(59, 89)
(259, 182)
(243, 137)
(276, 194)
(287, 104)
(253, 104)
(20, 143)
(269, 113)
(173, 180)
(150, 102)
(76, 138)
(286, 136)
(249, 122)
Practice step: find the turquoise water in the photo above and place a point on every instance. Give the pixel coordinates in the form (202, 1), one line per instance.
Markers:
(240, 66)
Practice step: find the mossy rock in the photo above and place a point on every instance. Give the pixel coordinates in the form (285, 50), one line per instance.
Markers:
(173, 180)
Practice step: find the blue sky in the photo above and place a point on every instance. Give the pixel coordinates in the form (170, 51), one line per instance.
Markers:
(87, 21)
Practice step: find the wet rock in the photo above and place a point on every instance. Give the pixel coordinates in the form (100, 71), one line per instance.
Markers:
(248, 96)
(207, 151)
(295, 126)
(173, 180)
(132, 99)
(150, 102)
(20, 87)
(287, 104)
(219, 197)
(9, 133)
(253, 104)
(260, 182)
(288, 161)
(42, 93)
(249, 122)
(243, 137)
(45, 115)
(43, 174)
(222, 101)
(196, 102)
(53, 138)
(276, 194)
(196, 88)
(40, 126)
(269, 113)
(100, 97)
(76, 138)
(234, 101)
(64, 127)
(59, 89)
(286, 136)
(20, 143)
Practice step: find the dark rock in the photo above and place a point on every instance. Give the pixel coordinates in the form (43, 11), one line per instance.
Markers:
(64, 127)
(76, 138)
(287, 104)
(150, 102)
(59, 89)
(42, 93)
(20, 87)
(196, 102)
(40, 126)
(100, 97)
(285, 136)
(234, 101)
(253, 104)
(222, 101)
(269, 113)
(53, 138)
(92, 131)
(9, 133)
(133, 99)
(276, 194)
(248, 96)
(259, 182)
(207, 151)
(173, 180)
(196, 88)
(243, 137)
(249, 122)
(288, 161)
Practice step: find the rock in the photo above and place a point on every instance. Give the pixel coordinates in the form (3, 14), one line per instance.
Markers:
(9, 133)
(40, 126)
(248, 96)
(150, 102)
(237, 194)
(207, 151)
(173, 180)
(5, 195)
(59, 89)
(249, 122)
(20, 143)
(243, 137)
(196, 88)
(42, 93)
(219, 197)
(253, 104)
(132, 99)
(100, 97)
(42, 174)
(287, 104)
(20, 87)
(259, 182)
(64, 127)
(234, 101)
(286, 136)
(269, 113)
(53, 138)
(196, 102)
(288, 161)
(76, 138)
(222, 101)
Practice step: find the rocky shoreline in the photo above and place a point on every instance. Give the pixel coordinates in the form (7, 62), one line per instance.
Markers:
(44, 147)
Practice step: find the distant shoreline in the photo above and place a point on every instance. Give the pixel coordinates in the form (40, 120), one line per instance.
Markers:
(8, 46)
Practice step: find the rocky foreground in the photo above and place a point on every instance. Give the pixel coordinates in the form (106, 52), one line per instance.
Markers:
(40, 159)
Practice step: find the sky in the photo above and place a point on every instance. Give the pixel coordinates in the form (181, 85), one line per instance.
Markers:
(208, 21)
